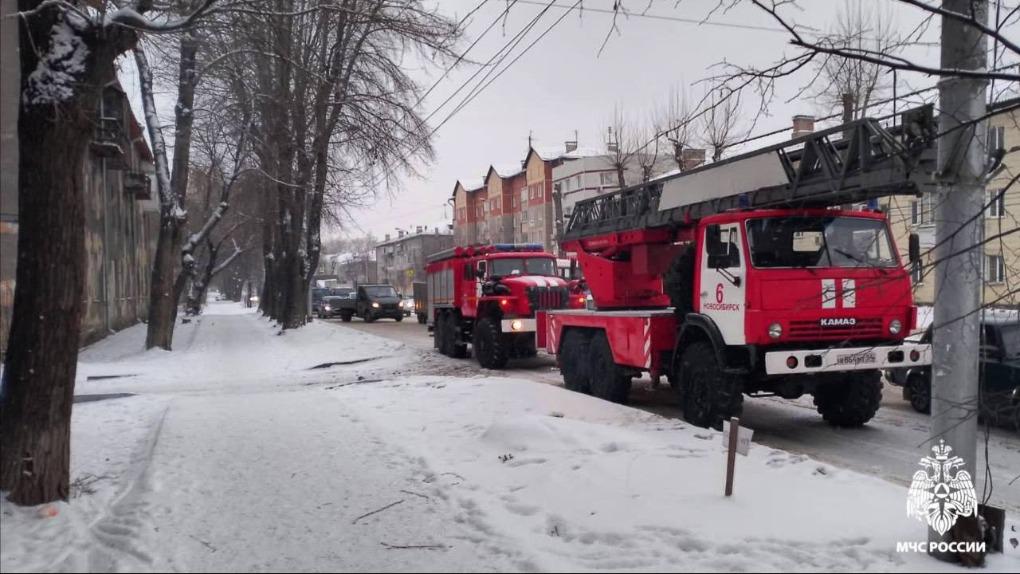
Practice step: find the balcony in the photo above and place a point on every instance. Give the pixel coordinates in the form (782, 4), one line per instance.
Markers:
(137, 184)
(108, 137)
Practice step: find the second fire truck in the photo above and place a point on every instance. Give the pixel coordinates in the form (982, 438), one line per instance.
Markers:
(740, 278)
(488, 297)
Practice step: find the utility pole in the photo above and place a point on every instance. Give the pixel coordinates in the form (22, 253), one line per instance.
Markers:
(959, 228)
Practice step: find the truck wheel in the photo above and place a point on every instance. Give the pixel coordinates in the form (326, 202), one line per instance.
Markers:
(399, 318)
(679, 281)
(444, 332)
(852, 401)
(918, 390)
(437, 333)
(458, 348)
(489, 345)
(345, 317)
(708, 395)
(609, 381)
(574, 353)
(369, 317)
(422, 318)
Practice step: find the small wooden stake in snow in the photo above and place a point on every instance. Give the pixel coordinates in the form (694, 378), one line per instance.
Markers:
(731, 455)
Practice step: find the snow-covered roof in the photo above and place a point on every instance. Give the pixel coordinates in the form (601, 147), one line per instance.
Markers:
(471, 184)
(581, 152)
(548, 152)
(348, 257)
(505, 170)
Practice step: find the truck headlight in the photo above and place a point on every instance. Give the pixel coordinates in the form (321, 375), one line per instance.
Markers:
(375, 305)
(327, 308)
(775, 330)
(895, 327)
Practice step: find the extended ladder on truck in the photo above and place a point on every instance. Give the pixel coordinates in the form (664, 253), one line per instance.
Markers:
(816, 170)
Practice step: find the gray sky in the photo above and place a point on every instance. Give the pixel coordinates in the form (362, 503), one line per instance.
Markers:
(562, 84)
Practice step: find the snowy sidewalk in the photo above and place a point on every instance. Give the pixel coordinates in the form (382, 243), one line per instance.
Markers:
(245, 449)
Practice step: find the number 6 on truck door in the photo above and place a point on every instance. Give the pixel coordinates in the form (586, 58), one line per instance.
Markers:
(722, 289)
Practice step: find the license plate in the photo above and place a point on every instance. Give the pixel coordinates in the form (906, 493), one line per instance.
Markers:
(862, 358)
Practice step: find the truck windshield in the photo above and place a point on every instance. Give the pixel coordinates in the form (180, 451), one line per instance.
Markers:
(523, 266)
(380, 291)
(819, 242)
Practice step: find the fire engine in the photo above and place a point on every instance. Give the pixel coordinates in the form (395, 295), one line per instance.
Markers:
(745, 277)
(487, 296)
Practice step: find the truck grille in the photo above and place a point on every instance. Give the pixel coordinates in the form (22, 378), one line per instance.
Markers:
(865, 328)
(542, 298)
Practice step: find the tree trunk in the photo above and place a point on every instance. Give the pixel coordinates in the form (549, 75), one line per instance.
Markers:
(38, 380)
(163, 296)
(164, 290)
(620, 175)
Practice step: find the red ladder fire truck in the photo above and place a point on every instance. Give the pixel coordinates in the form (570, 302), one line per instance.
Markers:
(488, 296)
(740, 278)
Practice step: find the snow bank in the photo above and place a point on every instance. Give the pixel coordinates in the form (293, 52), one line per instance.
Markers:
(568, 482)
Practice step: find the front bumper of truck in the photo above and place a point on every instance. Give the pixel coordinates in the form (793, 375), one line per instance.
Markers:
(839, 359)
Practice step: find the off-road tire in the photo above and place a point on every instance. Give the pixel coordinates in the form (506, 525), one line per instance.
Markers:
(399, 318)
(574, 355)
(708, 395)
(918, 390)
(851, 401)
(440, 335)
(608, 380)
(678, 281)
(345, 317)
(422, 318)
(369, 317)
(490, 345)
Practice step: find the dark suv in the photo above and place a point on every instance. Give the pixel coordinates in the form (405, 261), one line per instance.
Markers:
(377, 302)
(1000, 375)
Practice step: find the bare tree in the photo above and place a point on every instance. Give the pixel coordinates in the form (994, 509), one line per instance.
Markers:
(67, 56)
(622, 145)
(719, 123)
(851, 85)
(676, 124)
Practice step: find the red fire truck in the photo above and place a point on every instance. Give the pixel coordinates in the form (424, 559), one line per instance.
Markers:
(487, 296)
(740, 278)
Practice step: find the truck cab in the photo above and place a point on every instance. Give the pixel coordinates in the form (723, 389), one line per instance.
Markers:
(769, 279)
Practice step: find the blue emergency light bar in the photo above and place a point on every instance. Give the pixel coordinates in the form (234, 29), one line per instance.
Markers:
(517, 247)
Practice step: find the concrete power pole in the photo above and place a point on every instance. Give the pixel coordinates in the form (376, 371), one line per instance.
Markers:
(959, 226)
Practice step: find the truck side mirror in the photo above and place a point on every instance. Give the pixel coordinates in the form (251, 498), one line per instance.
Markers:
(914, 248)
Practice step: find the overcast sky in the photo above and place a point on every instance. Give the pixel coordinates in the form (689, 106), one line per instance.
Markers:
(563, 84)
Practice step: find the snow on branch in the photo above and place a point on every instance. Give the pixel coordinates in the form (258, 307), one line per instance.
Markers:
(133, 16)
(167, 199)
(55, 77)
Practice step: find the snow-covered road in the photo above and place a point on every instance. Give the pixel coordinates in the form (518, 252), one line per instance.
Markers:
(327, 449)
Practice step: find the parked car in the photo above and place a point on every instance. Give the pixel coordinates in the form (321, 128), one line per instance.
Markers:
(378, 301)
(999, 401)
(317, 294)
(332, 306)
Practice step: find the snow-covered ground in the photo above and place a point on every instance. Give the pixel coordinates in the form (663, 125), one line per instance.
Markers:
(323, 450)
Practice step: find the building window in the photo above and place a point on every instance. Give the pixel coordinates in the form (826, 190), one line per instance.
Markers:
(607, 178)
(566, 185)
(997, 207)
(922, 211)
(579, 186)
(996, 139)
(995, 270)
